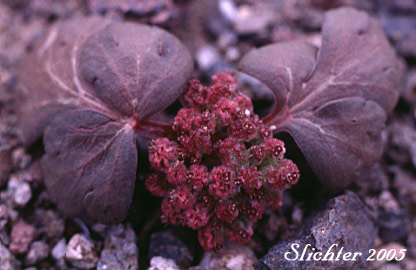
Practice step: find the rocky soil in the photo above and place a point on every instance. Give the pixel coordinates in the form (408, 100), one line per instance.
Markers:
(377, 211)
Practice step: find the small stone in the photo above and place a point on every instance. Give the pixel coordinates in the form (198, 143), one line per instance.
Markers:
(38, 251)
(58, 251)
(22, 235)
(297, 214)
(345, 222)
(4, 215)
(7, 260)
(230, 257)
(207, 56)
(20, 158)
(392, 219)
(19, 192)
(169, 245)
(380, 264)
(228, 10)
(34, 174)
(402, 137)
(405, 184)
(392, 266)
(387, 202)
(252, 20)
(373, 180)
(408, 264)
(232, 54)
(411, 242)
(120, 250)
(81, 253)
(54, 224)
(160, 263)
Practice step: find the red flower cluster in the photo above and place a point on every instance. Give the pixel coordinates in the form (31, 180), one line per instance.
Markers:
(222, 168)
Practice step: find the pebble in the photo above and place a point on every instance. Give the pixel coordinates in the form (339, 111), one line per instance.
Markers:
(297, 214)
(7, 260)
(207, 56)
(411, 242)
(170, 245)
(250, 20)
(4, 215)
(230, 257)
(81, 253)
(53, 224)
(120, 250)
(38, 251)
(402, 137)
(232, 54)
(19, 192)
(405, 184)
(373, 181)
(228, 10)
(392, 219)
(381, 264)
(20, 158)
(392, 266)
(58, 251)
(160, 263)
(22, 235)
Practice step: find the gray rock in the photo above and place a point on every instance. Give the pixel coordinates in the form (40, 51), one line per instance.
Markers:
(170, 245)
(81, 253)
(120, 250)
(19, 192)
(230, 257)
(393, 225)
(228, 10)
(53, 223)
(160, 263)
(207, 56)
(58, 251)
(373, 180)
(7, 260)
(411, 242)
(402, 141)
(345, 221)
(252, 20)
(392, 219)
(20, 159)
(405, 185)
(38, 251)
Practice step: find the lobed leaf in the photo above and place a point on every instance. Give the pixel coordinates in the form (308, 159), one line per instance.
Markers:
(85, 86)
(333, 101)
(90, 164)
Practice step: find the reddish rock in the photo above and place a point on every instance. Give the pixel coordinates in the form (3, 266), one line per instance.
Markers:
(22, 235)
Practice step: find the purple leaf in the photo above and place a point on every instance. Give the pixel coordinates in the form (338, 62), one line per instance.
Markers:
(90, 164)
(333, 101)
(89, 83)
